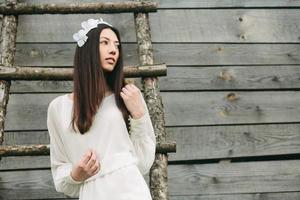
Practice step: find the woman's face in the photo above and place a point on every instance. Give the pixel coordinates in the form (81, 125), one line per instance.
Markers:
(109, 49)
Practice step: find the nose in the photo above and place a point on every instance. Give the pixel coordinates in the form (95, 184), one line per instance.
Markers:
(113, 49)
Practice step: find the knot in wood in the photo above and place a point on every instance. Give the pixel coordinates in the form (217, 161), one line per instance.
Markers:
(232, 97)
(225, 75)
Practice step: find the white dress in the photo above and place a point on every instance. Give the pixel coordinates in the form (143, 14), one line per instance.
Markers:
(124, 158)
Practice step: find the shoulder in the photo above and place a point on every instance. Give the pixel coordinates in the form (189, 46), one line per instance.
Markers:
(56, 103)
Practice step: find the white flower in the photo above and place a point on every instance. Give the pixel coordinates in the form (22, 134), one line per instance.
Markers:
(80, 37)
(89, 24)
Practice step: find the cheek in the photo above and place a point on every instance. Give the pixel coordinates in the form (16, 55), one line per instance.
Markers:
(101, 54)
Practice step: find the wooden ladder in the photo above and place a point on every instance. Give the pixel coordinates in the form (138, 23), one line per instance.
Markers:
(147, 70)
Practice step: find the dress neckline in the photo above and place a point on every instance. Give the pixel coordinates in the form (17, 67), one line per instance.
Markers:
(70, 100)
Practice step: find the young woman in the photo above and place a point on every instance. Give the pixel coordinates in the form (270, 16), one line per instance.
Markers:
(101, 137)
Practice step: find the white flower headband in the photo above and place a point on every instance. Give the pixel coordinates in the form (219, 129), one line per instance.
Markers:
(80, 37)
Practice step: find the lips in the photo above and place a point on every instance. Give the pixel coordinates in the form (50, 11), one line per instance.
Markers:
(110, 60)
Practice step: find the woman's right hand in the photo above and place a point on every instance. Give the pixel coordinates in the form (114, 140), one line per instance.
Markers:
(86, 167)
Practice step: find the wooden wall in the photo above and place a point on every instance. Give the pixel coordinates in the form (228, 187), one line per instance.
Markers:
(231, 97)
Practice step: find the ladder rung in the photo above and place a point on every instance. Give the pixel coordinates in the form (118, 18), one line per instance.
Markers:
(43, 73)
(64, 8)
(44, 149)
(166, 147)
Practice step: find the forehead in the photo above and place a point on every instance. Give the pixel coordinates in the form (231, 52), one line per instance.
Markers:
(108, 33)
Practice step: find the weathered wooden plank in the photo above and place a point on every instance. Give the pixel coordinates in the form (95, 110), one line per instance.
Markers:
(68, 25)
(24, 163)
(205, 179)
(255, 196)
(196, 78)
(246, 25)
(41, 86)
(169, 4)
(222, 142)
(171, 54)
(60, 54)
(28, 111)
(231, 178)
(261, 196)
(231, 78)
(26, 137)
(211, 108)
(193, 143)
(229, 25)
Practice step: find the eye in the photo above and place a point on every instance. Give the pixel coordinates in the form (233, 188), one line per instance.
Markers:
(104, 42)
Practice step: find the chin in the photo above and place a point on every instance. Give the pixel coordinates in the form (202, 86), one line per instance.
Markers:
(108, 69)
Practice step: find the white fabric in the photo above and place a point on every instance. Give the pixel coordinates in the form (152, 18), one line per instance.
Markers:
(124, 158)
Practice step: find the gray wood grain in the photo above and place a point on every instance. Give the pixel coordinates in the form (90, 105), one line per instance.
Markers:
(60, 54)
(212, 108)
(169, 4)
(206, 179)
(28, 111)
(31, 30)
(234, 178)
(193, 143)
(255, 196)
(196, 78)
(211, 37)
(171, 54)
(229, 25)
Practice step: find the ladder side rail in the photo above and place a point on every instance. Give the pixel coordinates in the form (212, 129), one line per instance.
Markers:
(8, 50)
(158, 171)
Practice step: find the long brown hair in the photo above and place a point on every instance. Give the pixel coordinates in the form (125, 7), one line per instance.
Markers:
(89, 81)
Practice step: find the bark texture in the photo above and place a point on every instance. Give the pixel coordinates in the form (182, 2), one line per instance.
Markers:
(44, 149)
(158, 172)
(63, 8)
(8, 49)
(43, 73)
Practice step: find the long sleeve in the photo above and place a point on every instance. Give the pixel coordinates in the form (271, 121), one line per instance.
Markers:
(61, 167)
(143, 139)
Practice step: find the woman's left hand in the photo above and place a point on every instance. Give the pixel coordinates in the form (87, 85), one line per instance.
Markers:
(132, 99)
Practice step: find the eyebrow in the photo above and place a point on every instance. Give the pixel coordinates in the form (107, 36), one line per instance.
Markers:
(108, 38)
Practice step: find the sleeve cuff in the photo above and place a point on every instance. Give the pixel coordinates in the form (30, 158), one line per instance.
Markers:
(70, 180)
(137, 126)
(138, 121)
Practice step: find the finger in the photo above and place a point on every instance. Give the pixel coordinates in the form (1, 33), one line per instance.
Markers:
(92, 161)
(96, 155)
(137, 89)
(95, 168)
(128, 86)
(123, 95)
(126, 91)
(133, 87)
(87, 157)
